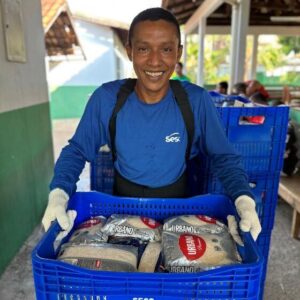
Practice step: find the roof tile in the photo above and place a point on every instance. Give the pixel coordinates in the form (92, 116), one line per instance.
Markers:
(50, 9)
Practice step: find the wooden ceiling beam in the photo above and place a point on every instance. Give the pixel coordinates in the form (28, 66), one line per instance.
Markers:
(165, 4)
(261, 11)
(184, 14)
(203, 11)
(275, 6)
(188, 6)
(177, 4)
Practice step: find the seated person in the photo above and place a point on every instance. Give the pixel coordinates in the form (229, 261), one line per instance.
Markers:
(240, 89)
(257, 93)
(290, 161)
(222, 87)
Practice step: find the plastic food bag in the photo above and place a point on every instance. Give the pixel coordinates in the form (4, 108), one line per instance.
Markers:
(194, 224)
(89, 232)
(151, 259)
(103, 256)
(135, 227)
(189, 252)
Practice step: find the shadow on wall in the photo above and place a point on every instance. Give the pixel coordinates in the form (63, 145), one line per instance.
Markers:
(69, 100)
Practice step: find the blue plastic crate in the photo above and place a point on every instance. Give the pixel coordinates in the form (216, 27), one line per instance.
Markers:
(226, 100)
(264, 242)
(263, 186)
(260, 145)
(102, 173)
(57, 280)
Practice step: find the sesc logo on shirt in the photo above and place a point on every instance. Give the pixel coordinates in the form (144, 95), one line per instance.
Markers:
(173, 138)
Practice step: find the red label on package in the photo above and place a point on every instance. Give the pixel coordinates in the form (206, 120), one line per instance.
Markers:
(150, 222)
(98, 264)
(192, 246)
(89, 223)
(207, 219)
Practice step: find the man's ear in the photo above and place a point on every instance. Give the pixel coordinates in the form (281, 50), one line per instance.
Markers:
(179, 53)
(129, 51)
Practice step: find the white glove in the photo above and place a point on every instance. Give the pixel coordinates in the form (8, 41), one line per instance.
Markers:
(71, 216)
(56, 209)
(245, 207)
(233, 230)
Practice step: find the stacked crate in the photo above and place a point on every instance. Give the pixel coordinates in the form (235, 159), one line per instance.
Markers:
(102, 173)
(261, 147)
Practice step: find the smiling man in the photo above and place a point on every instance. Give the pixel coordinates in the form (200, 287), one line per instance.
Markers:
(154, 48)
(153, 127)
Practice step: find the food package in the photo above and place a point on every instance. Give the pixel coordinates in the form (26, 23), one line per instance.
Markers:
(133, 227)
(190, 252)
(106, 257)
(151, 258)
(194, 224)
(89, 232)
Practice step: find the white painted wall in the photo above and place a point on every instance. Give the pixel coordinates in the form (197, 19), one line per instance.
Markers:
(24, 84)
(98, 43)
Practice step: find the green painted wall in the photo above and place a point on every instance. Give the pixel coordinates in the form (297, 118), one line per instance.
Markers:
(295, 114)
(69, 101)
(26, 166)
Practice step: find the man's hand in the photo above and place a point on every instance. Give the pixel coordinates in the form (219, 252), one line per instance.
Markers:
(233, 230)
(56, 209)
(249, 219)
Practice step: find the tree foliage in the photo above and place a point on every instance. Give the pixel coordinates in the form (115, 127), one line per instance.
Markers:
(269, 56)
(290, 43)
(216, 53)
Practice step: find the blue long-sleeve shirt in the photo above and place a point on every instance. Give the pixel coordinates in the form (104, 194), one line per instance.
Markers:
(151, 140)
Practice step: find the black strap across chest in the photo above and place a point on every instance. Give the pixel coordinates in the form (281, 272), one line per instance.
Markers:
(181, 99)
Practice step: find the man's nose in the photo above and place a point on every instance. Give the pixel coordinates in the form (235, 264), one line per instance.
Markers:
(154, 58)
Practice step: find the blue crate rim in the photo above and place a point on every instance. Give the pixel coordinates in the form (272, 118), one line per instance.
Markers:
(230, 268)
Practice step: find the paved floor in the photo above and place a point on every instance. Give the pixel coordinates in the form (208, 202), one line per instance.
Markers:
(283, 277)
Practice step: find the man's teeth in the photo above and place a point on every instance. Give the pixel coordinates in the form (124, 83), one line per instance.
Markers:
(154, 74)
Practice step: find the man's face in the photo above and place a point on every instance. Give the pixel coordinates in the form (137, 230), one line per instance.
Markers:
(154, 52)
(220, 89)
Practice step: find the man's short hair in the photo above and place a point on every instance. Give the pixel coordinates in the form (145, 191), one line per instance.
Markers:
(180, 64)
(153, 14)
(223, 84)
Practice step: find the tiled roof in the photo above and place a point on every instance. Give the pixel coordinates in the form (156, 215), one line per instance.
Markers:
(50, 10)
(60, 36)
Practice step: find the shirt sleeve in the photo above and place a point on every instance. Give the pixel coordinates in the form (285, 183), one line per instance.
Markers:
(82, 147)
(226, 163)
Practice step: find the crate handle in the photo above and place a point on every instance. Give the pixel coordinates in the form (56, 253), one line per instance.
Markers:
(252, 120)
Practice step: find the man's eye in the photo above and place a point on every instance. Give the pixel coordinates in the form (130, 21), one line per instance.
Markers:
(142, 49)
(167, 49)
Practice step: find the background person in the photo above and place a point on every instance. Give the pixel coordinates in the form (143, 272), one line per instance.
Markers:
(222, 87)
(240, 89)
(257, 92)
(150, 138)
(179, 73)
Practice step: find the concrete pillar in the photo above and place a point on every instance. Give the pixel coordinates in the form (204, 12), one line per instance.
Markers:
(239, 28)
(201, 34)
(252, 74)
